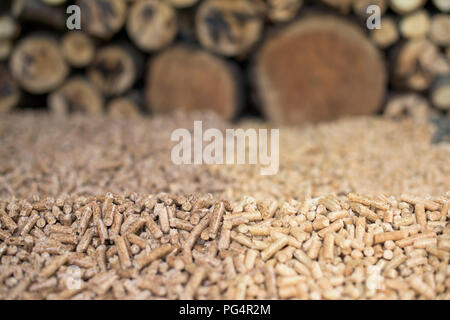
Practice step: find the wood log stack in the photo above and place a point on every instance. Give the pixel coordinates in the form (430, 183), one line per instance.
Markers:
(293, 60)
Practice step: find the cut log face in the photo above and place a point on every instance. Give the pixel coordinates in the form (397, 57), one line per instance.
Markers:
(78, 49)
(228, 27)
(406, 6)
(9, 90)
(113, 70)
(123, 108)
(387, 35)
(102, 18)
(416, 64)
(152, 25)
(440, 29)
(412, 106)
(8, 27)
(5, 49)
(440, 93)
(319, 68)
(442, 5)
(415, 25)
(189, 79)
(38, 64)
(283, 10)
(77, 95)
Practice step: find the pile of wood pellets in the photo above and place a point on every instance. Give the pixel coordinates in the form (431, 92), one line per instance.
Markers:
(94, 209)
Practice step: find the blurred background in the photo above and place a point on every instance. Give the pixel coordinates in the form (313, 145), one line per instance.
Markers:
(289, 61)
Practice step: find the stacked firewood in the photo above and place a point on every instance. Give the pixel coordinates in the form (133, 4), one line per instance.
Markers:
(294, 60)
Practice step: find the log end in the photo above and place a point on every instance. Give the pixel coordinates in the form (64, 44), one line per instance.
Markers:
(191, 79)
(320, 68)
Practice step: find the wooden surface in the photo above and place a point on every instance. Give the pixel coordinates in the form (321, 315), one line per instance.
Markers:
(191, 79)
(319, 68)
(38, 65)
(313, 73)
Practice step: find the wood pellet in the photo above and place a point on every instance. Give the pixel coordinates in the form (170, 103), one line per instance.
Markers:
(335, 264)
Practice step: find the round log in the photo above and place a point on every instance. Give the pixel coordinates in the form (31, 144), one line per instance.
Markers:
(114, 69)
(39, 12)
(416, 63)
(125, 107)
(283, 10)
(228, 27)
(38, 64)
(152, 25)
(102, 18)
(442, 5)
(410, 105)
(77, 95)
(440, 29)
(5, 49)
(9, 29)
(387, 35)
(440, 93)
(360, 7)
(406, 6)
(78, 49)
(415, 25)
(191, 79)
(9, 90)
(319, 68)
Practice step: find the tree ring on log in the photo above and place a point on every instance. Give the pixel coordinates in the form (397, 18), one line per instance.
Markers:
(152, 25)
(184, 78)
(319, 68)
(38, 65)
(228, 27)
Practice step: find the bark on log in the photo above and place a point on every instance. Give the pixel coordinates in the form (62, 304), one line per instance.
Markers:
(319, 68)
(152, 25)
(102, 18)
(387, 35)
(189, 79)
(78, 49)
(39, 12)
(440, 93)
(440, 29)
(77, 95)
(9, 90)
(115, 69)
(228, 27)
(38, 64)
